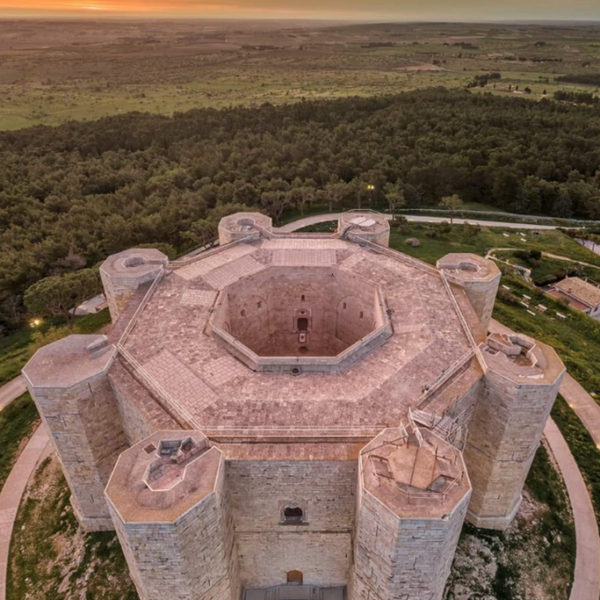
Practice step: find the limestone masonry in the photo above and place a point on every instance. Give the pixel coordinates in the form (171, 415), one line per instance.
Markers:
(294, 416)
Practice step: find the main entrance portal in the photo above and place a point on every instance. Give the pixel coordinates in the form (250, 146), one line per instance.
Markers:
(296, 592)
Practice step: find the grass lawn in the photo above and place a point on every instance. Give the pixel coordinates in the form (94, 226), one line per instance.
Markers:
(51, 557)
(548, 270)
(433, 248)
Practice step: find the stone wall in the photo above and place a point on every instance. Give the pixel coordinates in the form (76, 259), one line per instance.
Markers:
(340, 311)
(88, 438)
(192, 558)
(504, 434)
(407, 558)
(140, 414)
(321, 547)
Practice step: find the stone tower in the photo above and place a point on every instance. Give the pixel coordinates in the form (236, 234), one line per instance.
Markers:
(68, 381)
(122, 274)
(243, 225)
(479, 278)
(364, 225)
(412, 500)
(520, 385)
(169, 507)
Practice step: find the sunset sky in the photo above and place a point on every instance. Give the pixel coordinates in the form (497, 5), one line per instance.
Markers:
(448, 10)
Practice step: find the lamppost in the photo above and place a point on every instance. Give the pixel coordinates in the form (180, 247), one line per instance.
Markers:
(371, 189)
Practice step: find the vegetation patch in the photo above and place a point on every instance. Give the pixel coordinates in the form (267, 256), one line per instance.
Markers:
(581, 444)
(51, 557)
(18, 421)
(533, 560)
(19, 346)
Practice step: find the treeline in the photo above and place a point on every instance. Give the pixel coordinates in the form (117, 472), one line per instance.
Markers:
(585, 79)
(71, 195)
(576, 97)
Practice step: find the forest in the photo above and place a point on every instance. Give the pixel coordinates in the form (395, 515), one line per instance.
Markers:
(73, 194)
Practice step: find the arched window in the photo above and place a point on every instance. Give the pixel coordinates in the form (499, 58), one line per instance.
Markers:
(293, 515)
(302, 324)
(295, 577)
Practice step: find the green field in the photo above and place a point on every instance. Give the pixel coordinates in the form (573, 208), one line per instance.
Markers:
(54, 72)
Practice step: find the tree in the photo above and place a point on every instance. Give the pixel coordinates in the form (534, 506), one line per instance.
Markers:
(336, 192)
(275, 203)
(452, 204)
(394, 194)
(60, 294)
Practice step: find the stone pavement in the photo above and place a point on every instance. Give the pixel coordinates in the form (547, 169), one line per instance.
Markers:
(12, 390)
(10, 497)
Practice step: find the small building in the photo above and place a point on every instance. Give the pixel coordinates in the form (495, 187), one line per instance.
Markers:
(581, 295)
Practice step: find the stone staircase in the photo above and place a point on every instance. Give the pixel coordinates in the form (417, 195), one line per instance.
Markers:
(448, 428)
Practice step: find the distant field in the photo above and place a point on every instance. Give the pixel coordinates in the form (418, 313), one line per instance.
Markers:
(51, 72)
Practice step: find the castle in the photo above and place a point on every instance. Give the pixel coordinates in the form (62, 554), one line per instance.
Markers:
(293, 416)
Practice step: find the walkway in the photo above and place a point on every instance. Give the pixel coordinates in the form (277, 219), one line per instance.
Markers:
(586, 584)
(10, 497)
(315, 219)
(11, 391)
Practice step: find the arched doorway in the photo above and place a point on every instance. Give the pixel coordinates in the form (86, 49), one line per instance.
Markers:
(294, 577)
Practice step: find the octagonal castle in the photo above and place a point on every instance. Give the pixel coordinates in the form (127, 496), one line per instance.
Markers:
(295, 415)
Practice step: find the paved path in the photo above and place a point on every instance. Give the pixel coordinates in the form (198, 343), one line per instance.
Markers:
(305, 222)
(12, 390)
(586, 584)
(10, 496)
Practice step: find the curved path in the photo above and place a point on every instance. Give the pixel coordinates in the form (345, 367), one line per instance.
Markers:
(12, 390)
(10, 497)
(315, 219)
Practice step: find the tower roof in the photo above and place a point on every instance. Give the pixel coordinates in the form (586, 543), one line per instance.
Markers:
(162, 477)
(69, 361)
(178, 354)
(414, 473)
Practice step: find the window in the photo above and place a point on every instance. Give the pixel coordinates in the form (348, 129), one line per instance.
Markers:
(295, 577)
(302, 324)
(293, 515)
(302, 298)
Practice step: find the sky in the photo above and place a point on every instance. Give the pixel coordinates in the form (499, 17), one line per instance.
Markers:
(371, 10)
